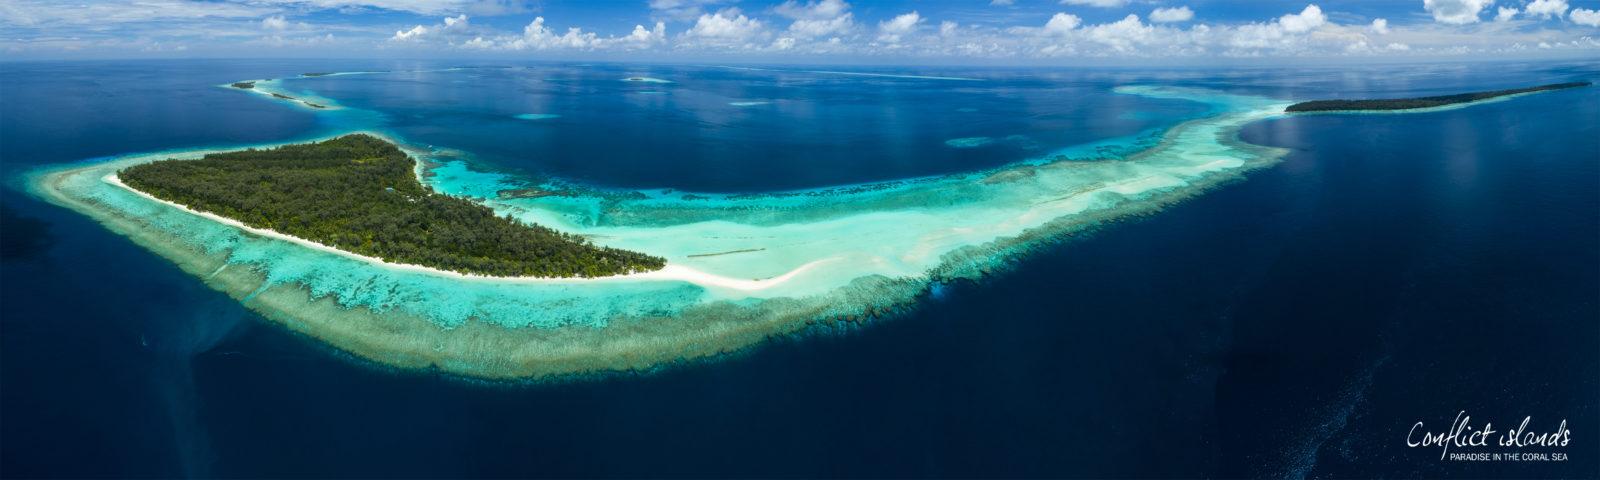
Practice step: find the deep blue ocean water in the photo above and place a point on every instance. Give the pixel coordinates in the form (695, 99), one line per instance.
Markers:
(1392, 269)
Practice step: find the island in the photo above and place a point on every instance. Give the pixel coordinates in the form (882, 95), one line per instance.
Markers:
(1420, 102)
(359, 194)
(244, 85)
(316, 74)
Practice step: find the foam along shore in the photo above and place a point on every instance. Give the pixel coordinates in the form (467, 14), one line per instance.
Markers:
(805, 257)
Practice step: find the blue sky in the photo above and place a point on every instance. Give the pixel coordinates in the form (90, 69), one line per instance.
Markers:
(807, 31)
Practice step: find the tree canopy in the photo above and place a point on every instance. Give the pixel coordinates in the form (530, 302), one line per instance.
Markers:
(358, 193)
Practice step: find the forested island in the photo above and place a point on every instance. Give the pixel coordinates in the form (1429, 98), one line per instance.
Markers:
(357, 193)
(1420, 102)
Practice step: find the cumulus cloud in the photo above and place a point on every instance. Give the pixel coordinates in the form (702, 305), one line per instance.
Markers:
(1172, 15)
(893, 29)
(1122, 35)
(829, 27)
(415, 33)
(1584, 16)
(726, 28)
(450, 26)
(1380, 26)
(275, 22)
(537, 36)
(1282, 34)
(1308, 19)
(1455, 12)
(1096, 3)
(641, 37)
(1546, 8)
(455, 24)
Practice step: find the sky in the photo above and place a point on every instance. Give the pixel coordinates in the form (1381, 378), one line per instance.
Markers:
(807, 31)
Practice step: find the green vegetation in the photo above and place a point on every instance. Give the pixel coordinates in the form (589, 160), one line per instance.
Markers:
(244, 85)
(358, 193)
(1423, 102)
(316, 74)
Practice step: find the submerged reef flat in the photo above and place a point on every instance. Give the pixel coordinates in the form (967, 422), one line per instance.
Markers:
(646, 80)
(1422, 102)
(740, 268)
(273, 88)
(969, 142)
(537, 116)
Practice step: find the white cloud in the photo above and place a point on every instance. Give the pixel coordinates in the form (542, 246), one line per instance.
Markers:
(537, 36)
(275, 22)
(47, 13)
(644, 38)
(726, 28)
(451, 26)
(1122, 35)
(1172, 15)
(1002, 3)
(421, 7)
(415, 33)
(1096, 3)
(1546, 8)
(1455, 12)
(1505, 14)
(1308, 19)
(682, 9)
(817, 19)
(894, 28)
(822, 28)
(1584, 16)
(455, 24)
(822, 10)
(798, 27)
(1062, 23)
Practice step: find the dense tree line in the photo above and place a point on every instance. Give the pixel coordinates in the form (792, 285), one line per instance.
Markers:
(1421, 102)
(358, 193)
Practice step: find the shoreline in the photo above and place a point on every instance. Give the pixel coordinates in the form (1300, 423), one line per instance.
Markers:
(670, 272)
(558, 329)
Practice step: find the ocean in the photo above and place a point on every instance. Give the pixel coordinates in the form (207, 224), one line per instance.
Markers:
(1391, 269)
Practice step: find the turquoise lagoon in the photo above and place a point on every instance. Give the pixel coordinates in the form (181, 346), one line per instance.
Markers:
(742, 267)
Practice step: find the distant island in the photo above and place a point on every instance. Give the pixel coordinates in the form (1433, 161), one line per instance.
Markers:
(358, 193)
(316, 74)
(244, 85)
(1420, 102)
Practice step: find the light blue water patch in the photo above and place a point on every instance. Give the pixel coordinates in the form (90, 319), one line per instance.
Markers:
(537, 116)
(969, 142)
(822, 241)
(748, 104)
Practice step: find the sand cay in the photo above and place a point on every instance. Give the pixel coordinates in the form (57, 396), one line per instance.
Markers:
(809, 258)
